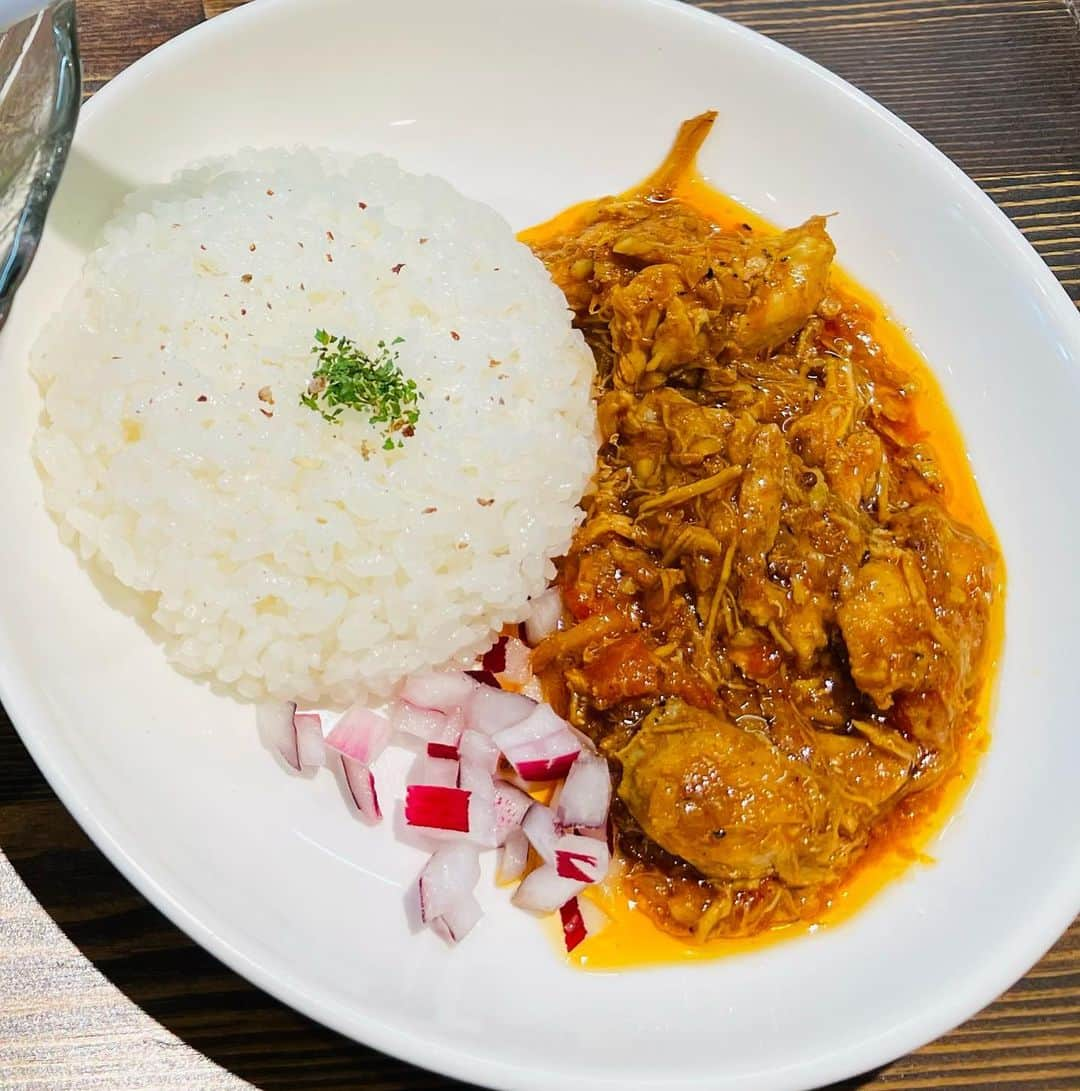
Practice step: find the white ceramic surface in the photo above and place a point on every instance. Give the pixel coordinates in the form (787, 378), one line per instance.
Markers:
(531, 105)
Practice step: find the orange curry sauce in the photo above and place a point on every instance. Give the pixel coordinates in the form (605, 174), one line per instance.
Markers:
(899, 841)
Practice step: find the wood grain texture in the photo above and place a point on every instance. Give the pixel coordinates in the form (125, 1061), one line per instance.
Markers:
(99, 993)
(219, 7)
(114, 33)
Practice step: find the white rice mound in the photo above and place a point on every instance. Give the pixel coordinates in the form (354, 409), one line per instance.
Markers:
(283, 556)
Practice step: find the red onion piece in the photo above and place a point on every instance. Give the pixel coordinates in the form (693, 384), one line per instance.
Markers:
(440, 928)
(541, 747)
(310, 744)
(545, 613)
(544, 890)
(449, 733)
(479, 760)
(581, 918)
(424, 723)
(594, 833)
(539, 827)
(457, 922)
(437, 807)
(442, 691)
(518, 669)
(573, 923)
(513, 857)
(361, 783)
(547, 768)
(586, 795)
(541, 722)
(449, 876)
(275, 723)
(581, 858)
(492, 710)
(483, 828)
(511, 806)
(360, 734)
(441, 772)
(456, 788)
(594, 917)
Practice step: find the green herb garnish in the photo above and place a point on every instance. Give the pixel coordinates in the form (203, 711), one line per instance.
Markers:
(348, 378)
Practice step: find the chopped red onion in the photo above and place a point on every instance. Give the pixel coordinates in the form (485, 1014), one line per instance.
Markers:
(594, 917)
(573, 924)
(585, 796)
(541, 747)
(539, 827)
(581, 918)
(479, 760)
(544, 890)
(513, 856)
(449, 875)
(276, 726)
(455, 787)
(424, 723)
(511, 806)
(441, 772)
(546, 768)
(442, 691)
(541, 722)
(310, 744)
(360, 734)
(483, 828)
(518, 669)
(581, 858)
(437, 807)
(458, 921)
(361, 783)
(545, 613)
(492, 710)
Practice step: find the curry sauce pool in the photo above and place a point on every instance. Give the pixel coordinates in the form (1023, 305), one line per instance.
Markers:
(783, 610)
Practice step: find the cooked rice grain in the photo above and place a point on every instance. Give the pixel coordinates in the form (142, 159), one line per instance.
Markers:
(283, 556)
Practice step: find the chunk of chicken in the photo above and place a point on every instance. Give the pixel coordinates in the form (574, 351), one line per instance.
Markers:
(729, 802)
(960, 573)
(888, 632)
(917, 620)
(791, 287)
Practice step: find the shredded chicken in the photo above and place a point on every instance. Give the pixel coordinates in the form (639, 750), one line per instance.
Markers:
(773, 624)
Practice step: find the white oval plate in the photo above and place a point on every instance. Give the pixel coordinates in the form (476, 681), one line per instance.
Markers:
(531, 106)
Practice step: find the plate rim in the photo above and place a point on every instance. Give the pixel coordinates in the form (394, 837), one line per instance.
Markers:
(1059, 906)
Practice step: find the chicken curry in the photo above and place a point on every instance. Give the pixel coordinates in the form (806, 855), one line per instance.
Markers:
(778, 619)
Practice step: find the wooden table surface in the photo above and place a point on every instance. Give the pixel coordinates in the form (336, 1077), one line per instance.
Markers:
(98, 991)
